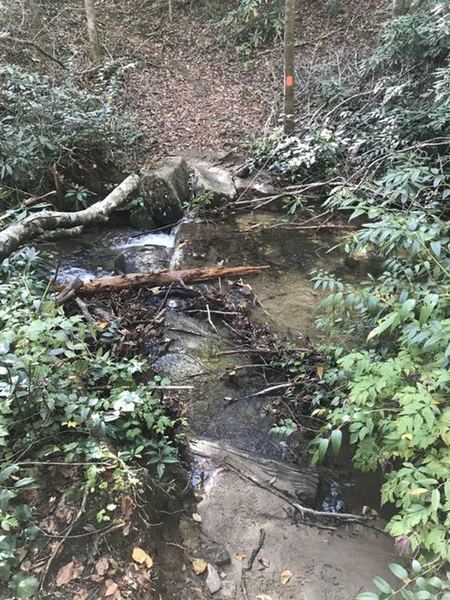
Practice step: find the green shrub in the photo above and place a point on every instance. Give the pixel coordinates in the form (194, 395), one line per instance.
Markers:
(43, 125)
(64, 398)
(387, 384)
(253, 23)
(420, 583)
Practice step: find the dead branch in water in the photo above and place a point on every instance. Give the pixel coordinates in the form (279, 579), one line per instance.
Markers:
(164, 277)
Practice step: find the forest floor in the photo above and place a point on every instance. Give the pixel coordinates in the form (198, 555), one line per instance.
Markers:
(189, 92)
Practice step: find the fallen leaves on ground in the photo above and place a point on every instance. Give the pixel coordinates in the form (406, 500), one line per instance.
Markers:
(65, 574)
(126, 506)
(199, 566)
(286, 577)
(111, 588)
(240, 556)
(196, 517)
(102, 565)
(141, 557)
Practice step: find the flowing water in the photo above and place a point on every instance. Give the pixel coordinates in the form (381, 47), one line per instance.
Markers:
(229, 427)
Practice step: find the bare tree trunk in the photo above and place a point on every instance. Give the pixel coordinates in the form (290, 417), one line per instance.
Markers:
(289, 67)
(40, 223)
(94, 44)
(36, 24)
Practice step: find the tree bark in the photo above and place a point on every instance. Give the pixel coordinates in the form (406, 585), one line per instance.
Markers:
(163, 277)
(94, 44)
(36, 24)
(35, 225)
(289, 67)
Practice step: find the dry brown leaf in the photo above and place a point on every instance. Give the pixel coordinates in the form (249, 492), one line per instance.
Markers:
(141, 557)
(263, 597)
(127, 506)
(240, 556)
(199, 566)
(265, 564)
(65, 574)
(111, 588)
(196, 517)
(81, 595)
(286, 577)
(126, 529)
(102, 566)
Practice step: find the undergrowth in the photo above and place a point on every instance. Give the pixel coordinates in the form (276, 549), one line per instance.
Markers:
(251, 24)
(65, 399)
(52, 138)
(382, 153)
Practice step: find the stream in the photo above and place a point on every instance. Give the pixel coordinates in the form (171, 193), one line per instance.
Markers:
(231, 446)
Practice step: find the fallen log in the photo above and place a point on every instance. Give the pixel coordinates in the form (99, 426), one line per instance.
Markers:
(40, 223)
(163, 277)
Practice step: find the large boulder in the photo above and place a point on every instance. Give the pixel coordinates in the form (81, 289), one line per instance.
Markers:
(164, 192)
(213, 180)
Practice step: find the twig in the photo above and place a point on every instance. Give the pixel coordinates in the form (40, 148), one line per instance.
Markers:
(84, 309)
(66, 535)
(257, 351)
(6, 37)
(272, 388)
(255, 552)
(303, 510)
(69, 291)
(173, 387)
(214, 328)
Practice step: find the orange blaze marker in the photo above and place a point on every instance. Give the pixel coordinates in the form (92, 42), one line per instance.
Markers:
(289, 80)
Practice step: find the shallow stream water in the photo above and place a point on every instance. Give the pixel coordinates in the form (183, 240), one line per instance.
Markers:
(226, 425)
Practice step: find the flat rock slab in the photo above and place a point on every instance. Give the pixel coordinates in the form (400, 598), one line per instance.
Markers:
(300, 483)
(324, 565)
(211, 179)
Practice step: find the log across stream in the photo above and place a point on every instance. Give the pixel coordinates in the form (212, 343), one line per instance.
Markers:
(240, 472)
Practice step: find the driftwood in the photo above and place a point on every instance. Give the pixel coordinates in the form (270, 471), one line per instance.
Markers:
(163, 277)
(43, 222)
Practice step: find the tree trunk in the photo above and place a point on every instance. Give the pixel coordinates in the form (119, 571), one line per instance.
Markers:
(40, 223)
(94, 44)
(163, 277)
(36, 24)
(289, 67)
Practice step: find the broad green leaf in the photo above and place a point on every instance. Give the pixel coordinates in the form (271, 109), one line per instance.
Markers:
(382, 585)
(336, 441)
(398, 571)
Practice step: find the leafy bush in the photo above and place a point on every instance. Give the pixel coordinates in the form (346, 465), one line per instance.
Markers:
(393, 394)
(253, 23)
(43, 126)
(304, 157)
(419, 584)
(388, 377)
(63, 398)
